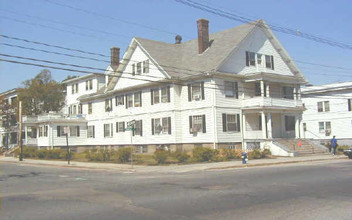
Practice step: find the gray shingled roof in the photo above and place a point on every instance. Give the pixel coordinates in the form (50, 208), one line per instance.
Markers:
(182, 60)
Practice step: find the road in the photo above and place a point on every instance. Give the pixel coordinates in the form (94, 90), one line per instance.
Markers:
(316, 190)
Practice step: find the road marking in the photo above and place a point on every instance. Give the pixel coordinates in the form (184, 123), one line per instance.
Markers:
(80, 179)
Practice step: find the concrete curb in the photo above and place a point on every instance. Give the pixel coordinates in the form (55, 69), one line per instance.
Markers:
(269, 164)
(186, 169)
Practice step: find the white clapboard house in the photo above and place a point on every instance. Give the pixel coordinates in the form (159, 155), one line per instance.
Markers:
(236, 88)
(329, 112)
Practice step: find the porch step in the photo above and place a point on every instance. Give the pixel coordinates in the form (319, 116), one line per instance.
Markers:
(307, 147)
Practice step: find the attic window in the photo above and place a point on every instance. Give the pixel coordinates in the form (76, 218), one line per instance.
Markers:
(146, 66)
(269, 62)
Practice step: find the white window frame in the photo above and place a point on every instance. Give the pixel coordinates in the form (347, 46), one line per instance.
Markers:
(323, 106)
(230, 89)
(91, 131)
(197, 123)
(137, 99)
(129, 100)
(146, 66)
(108, 105)
(108, 130)
(196, 95)
(120, 100)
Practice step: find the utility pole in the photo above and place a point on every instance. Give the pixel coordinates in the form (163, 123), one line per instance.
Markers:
(20, 129)
(68, 147)
(130, 126)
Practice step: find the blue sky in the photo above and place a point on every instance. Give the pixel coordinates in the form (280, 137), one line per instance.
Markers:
(102, 24)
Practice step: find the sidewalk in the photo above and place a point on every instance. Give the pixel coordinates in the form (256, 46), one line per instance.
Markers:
(174, 168)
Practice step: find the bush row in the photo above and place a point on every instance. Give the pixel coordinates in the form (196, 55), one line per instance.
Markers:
(119, 156)
(200, 154)
(31, 152)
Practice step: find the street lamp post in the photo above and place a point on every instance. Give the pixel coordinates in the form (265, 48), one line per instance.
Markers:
(130, 126)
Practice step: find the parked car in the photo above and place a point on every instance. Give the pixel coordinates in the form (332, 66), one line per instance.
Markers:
(348, 152)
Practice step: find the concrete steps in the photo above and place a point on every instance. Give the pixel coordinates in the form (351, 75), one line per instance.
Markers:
(307, 147)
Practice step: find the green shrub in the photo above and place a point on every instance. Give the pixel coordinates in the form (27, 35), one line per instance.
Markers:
(28, 152)
(266, 153)
(122, 155)
(181, 156)
(160, 156)
(42, 153)
(255, 154)
(201, 154)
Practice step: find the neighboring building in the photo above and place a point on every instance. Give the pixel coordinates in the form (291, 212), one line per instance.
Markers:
(237, 88)
(329, 112)
(8, 119)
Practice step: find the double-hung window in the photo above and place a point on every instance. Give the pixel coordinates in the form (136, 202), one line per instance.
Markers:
(250, 58)
(90, 108)
(120, 126)
(74, 131)
(91, 131)
(160, 95)
(231, 89)
(196, 91)
(79, 108)
(289, 123)
(269, 62)
(129, 100)
(161, 126)
(137, 99)
(60, 131)
(108, 130)
(197, 124)
(108, 105)
(146, 66)
(231, 122)
(138, 128)
(139, 68)
(323, 106)
(119, 100)
(89, 84)
(325, 127)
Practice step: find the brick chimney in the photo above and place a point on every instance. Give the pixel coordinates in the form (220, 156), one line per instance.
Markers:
(115, 57)
(203, 35)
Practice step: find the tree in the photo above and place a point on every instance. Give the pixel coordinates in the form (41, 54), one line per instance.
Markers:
(41, 94)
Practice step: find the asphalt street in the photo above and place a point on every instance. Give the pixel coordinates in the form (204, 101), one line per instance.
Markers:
(316, 190)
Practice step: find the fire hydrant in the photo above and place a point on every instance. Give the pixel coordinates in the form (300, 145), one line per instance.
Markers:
(244, 157)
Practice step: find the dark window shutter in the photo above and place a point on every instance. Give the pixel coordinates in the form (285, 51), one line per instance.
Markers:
(111, 129)
(93, 131)
(224, 127)
(151, 97)
(152, 126)
(247, 58)
(238, 123)
(169, 123)
(349, 105)
(140, 98)
(104, 131)
(117, 127)
(236, 90)
(78, 134)
(141, 127)
(126, 101)
(123, 127)
(133, 129)
(168, 93)
(260, 122)
(115, 100)
(204, 124)
(272, 62)
(202, 88)
(190, 124)
(189, 93)
(58, 131)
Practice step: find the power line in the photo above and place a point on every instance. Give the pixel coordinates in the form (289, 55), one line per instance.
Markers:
(54, 28)
(102, 55)
(277, 28)
(112, 18)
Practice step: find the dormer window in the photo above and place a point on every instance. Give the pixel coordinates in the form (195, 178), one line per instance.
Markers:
(269, 62)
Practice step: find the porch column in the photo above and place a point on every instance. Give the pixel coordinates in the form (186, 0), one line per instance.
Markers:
(298, 92)
(297, 130)
(244, 126)
(262, 88)
(267, 90)
(294, 92)
(263, 125)
(270, 135)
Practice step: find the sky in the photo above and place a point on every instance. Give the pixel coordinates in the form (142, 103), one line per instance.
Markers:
(95, 26)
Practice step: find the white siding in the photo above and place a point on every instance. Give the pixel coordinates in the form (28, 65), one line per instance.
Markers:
(127, 80)
(259, 43)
